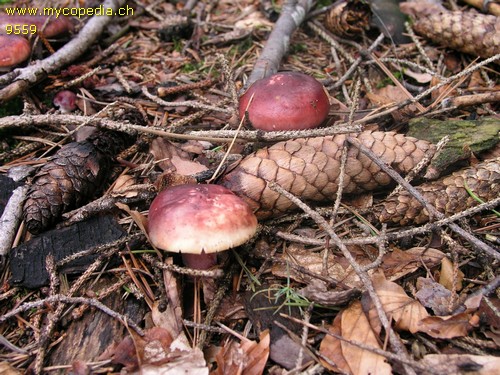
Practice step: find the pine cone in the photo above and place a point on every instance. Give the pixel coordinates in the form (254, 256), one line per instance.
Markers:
(448, 195)
(70, 178)
(310, 168)
(349, 19)
(473, 33)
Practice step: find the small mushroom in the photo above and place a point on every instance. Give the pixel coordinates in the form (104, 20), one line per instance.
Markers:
(65, 100)
(199, 221)
(285, 101)
(14, 50)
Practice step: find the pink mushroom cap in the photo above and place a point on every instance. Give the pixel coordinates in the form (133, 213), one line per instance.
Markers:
(65, 100)
(199, 219)
(14, 49)
(285, 101)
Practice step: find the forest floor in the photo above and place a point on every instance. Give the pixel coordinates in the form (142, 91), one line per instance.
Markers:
(368, 281)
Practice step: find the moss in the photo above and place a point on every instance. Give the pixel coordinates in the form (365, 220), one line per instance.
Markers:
(465, 136)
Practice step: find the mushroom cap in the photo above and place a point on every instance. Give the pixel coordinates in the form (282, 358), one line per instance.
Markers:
(199, 219)
(14, 49)
(65, 100)
(285, 101)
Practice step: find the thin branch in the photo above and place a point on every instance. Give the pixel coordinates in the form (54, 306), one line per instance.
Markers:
(292, 15)
(321, 222)
(72, 300)
(478, 244)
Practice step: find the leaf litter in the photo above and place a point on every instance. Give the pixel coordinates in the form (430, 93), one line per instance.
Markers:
(170, 86)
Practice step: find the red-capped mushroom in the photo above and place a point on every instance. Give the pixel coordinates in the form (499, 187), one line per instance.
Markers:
(14, 50)
(65, 100)
(285, 101)
(199, 221)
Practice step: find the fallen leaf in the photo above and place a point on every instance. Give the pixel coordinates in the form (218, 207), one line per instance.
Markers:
(139, 219)
(446, 327)
(399, 263)
(178, 362)
(404, 310)
(356, 327)
(331, 349)
(338, 267)
(434, 296)
(7, 369)
(488, 310)
(463, 364)
(419, 77)
(388, 95)
(136, 350)
(171, 158)
(317, 291)
(246, 358)
(448, 278)
(121, 184)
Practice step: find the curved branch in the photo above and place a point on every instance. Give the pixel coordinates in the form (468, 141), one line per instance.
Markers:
(292, 15)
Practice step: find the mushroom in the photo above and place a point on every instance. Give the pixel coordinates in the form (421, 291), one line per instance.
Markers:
(198, 221)
(14, 50)
(65, 100)
(285, 101)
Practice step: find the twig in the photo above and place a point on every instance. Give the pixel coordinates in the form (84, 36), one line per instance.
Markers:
(292, 14)
(11, 218)
(217, 273)
(72, 300)
(189, 103)
(430, 208)
(427, 228)
(384, 353)
(68, 53)
(321, 222)
(25, 122)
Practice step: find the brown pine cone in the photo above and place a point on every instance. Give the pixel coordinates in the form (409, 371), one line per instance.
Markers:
(69, 179)
(448, 195)
(349, 19)
(310, 168)
(473, 33)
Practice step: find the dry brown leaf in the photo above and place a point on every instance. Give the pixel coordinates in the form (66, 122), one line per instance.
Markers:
(405, 311)
(171, 158)
(419, 77)
(123, 182)
(134, 351)
(398, 263)
(446, 327)
(330, 348)
(178, 362)
(447, 276)
(245, 358)
(356, 327)
(171, 317)
(463, 363)
(388, 95)
(488, 310)
(434, 296)
(139, 219)
(7, 369)
(338, 268)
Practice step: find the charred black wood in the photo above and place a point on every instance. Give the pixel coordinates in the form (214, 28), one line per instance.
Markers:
(28, 259)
